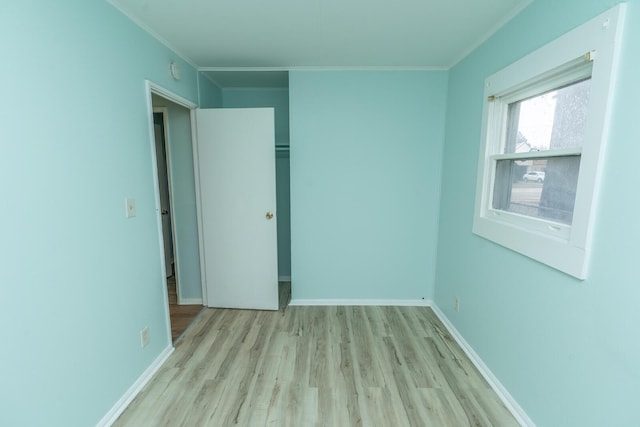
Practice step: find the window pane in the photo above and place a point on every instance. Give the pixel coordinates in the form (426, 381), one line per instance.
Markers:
(552, 120)
(539, 188)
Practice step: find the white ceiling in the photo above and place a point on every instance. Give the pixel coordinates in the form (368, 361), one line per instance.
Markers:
(321, 33)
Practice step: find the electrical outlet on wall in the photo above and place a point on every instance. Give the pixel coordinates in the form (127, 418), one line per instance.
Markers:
(144, 337)
(130, 207)
(456, 304)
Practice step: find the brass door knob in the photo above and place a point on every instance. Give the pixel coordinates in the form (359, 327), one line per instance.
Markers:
(269, 215)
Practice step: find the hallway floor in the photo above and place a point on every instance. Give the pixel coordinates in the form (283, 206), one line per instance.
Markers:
(181, 315)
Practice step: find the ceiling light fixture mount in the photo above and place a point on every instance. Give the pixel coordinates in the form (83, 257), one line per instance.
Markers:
(174, 70)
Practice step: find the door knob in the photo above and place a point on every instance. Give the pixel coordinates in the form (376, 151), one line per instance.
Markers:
(165, 212)
(269, 215)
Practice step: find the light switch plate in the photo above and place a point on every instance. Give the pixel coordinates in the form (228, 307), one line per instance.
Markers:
(144, 337)
(130, 207)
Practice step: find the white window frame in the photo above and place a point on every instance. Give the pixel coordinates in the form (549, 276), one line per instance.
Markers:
(561, 246)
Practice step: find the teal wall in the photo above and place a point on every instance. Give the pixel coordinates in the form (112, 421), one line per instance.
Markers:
(210, 93)
(283, 211)
(79, 280)
(565, 349)
(366, 152)
(278, 98)
(183, 195)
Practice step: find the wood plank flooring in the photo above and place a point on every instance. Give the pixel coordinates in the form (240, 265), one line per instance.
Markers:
(180, 316)
(317, 366)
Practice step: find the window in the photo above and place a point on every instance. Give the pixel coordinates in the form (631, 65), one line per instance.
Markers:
(544, 132)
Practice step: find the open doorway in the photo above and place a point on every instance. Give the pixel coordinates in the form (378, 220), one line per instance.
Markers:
(259, 89)
(159, 131)
(176, 208)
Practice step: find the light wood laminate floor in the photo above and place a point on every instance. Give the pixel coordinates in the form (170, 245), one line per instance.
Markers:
(317, 366)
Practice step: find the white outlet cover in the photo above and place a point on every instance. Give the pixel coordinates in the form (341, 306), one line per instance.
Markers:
(130, 207)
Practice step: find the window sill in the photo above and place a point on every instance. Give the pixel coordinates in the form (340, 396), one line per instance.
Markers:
(553, 251)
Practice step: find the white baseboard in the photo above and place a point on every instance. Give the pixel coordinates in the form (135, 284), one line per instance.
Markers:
(519, 414)
(133, 391)
(190, 301)
(284, 278)
(385, 302)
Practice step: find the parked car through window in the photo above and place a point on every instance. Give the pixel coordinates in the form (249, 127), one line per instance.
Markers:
(536, 176)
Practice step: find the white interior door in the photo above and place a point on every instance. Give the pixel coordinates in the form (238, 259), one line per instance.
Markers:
(236, 162)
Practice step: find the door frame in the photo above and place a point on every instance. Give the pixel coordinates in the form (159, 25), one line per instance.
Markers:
(152, 88)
